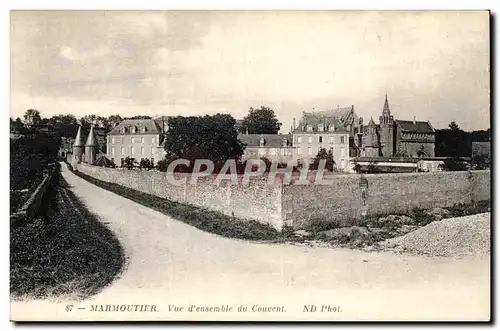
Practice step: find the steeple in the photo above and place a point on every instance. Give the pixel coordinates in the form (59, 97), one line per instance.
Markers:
(91, 140)
(386, 111)
(78, 139)
(371, 123)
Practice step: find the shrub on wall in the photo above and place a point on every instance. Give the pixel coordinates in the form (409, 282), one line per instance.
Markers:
(129, 162)
(146, 164)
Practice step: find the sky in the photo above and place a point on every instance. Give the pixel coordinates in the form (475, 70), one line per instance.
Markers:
(432, 65)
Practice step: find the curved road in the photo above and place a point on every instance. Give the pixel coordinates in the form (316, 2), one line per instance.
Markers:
(171, 263)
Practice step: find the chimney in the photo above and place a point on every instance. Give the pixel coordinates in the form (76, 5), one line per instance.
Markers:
(414, 120)
(293, 124)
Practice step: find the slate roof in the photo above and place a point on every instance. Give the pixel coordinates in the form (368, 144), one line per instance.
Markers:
(270, 140)
(417, 126)
(152, 127)
(78, 139)
(91, 139)
(314, 119)
(102, 161)
(339, 113)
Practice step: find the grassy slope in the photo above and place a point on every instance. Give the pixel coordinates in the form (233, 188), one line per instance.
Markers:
(65, 251)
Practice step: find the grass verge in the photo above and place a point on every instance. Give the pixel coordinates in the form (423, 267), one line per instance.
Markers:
(66, 251)
(201, 218)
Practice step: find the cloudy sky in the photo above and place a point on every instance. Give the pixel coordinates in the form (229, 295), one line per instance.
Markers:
(432, 65)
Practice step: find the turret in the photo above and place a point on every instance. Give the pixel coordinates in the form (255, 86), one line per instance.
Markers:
(78, 146)
(91, 147)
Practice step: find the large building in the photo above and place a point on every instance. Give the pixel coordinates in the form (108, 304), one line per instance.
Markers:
(324, 130)
(138, 139)
(275, 147)
(393, 137)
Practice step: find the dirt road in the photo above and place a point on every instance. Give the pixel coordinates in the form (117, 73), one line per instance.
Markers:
(173, 264)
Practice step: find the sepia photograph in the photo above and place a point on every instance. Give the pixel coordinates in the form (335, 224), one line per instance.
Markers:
(250, 165)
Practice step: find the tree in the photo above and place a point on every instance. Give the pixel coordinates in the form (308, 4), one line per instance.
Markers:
(64, 125)
(324, 155)
(208, 137)
(357, 168)
(146, 164)
(112, 121)
(32, 118)
(261, 121)
(16, 125)
(129, 162)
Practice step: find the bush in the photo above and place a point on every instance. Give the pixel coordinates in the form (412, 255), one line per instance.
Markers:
(146, 164)
(129, 162)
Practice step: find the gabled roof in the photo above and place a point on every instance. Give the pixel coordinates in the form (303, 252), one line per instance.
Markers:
(152, 127)
(417, 126)
(270, 140)
(102, 161)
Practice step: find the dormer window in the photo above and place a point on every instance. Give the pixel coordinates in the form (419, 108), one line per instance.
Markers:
(144, 130)
(165, 127)
(331, 127)
(285, 142)
(262, 142)
(133, 129)
(124, 130)
(309, 128)
(321, 128)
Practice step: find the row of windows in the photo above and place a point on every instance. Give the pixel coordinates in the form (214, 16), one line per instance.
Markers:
(275, 151)
(133, 140)
(133, 150)
(320, 139)
(321, 127)
(313, 151)
(122, 160)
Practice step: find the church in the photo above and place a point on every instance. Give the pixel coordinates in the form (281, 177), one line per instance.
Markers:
(392, 137)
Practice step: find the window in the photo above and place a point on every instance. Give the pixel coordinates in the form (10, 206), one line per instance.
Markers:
(285, 142)
(124, 130)
(309, 151)
(132, 150)
(309, 128)
(133, 129)
(153, 140)
(121, 161)
(262, 142)
(142, 140)
(331, 127)
(299, 139)
(123, 150)
(153, 161)
(320, 139)
(332, 139)
(342, 163)
(310, 139)
(342, 139)
(342, 151)
(152, 150)
(144, 130)
(321, 128)
(299, 151)
(142, 150)
(113, 152)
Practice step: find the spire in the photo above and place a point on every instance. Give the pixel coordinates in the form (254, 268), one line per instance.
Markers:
(386, 110)
(78, 139)
(91, 140)
(371, 123)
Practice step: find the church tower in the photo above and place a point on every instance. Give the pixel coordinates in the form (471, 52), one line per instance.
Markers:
(78, 147)
(91, 147)
(387, 130)
(371, 145)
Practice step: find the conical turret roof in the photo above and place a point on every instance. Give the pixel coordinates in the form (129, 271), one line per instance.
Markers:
(91, 140)
(78, 139)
